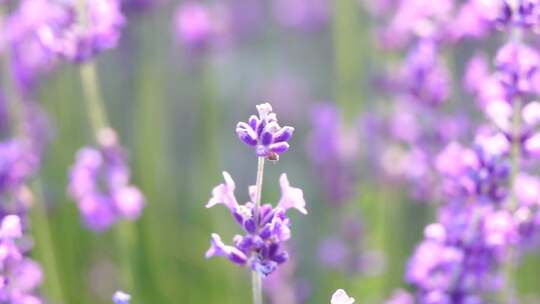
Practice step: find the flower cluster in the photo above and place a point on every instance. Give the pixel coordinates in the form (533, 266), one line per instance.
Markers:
(457, 260)
(414, 129)
(197, 25)
(19, 275)
(18, 36)
(481, 173)
(302, 14)
(333, 150)
(265, 134)
(491, 204)
(266, 228)
(85, 28)
(99, 183)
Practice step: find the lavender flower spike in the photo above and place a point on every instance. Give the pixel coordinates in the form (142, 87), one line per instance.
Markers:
(341, 297)
(265, 134)
(261, 248)
(121, 297)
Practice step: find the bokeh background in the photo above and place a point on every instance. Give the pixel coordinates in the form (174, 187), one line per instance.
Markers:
(175, 109)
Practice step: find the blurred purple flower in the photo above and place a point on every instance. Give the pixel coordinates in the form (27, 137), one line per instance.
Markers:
(282, 287)
(19, 276)
(416, 18)
(99, 183)
(476, 73)
(30, 58)
(518, 66)
(333, 149)
(400, 297)
(86, 29)
(307, 15)
(424, 75)
(334, 253)
(199, 26)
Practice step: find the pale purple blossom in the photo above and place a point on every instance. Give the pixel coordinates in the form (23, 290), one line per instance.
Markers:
(20, 276)
(88, 28)
(333, 149)
(400, 296)
(307, 15)
(99, 183)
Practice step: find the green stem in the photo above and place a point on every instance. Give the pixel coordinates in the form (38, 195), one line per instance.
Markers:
(97, 114)
(259, 182)
(13, 100)
(93, 100)
(515, 160)
(349, 53)
(256, 282)
(256, 279)
(45, 248)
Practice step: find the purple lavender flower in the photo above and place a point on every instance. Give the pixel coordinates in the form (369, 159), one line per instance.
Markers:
(333, 150)
(476, 72)
(506, 13)
(199, 27)
(455, 262)
(400, 297)
(302, 14)
(99, 183)
(473, 173)
(424, 76)
(88, 28)
(471, 21)
(283, 287)
(121, 297)
(517, 66)
(261, 246)
(19, 275)
(30, 58)
(416, 18)
(265, 134)
(341, 297)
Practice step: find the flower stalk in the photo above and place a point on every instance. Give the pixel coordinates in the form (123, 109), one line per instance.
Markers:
(124, 232)
(256, 279)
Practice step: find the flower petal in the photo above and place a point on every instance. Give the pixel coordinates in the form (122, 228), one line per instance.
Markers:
(291, 197)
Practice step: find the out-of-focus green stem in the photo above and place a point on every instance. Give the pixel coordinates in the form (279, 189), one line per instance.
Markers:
(44, 245)
(515, 161)
(97, 114)
(256, 279)
(93, 99)
(13, 100)
(348, 56)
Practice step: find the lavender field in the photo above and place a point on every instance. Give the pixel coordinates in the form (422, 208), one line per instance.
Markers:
(270, 151)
